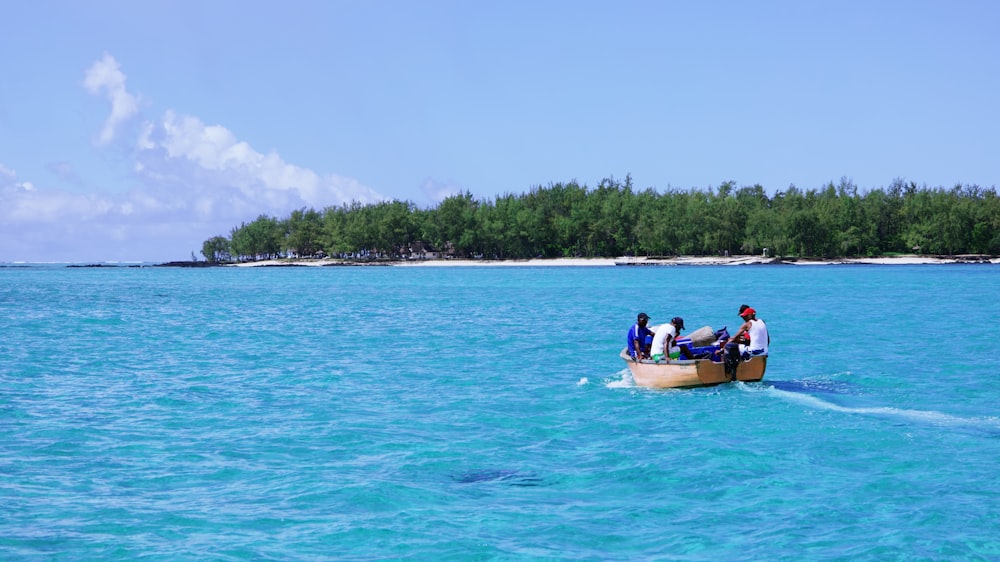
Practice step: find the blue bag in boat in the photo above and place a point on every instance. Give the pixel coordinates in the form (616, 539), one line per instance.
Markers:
(705, 352)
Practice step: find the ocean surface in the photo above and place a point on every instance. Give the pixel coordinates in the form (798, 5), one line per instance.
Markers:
(482, 413)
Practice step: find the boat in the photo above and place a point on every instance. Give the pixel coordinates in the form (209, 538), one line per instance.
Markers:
(690, 373)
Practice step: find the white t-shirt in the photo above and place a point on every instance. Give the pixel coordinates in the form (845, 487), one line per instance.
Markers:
(758, 338)
(660, 338)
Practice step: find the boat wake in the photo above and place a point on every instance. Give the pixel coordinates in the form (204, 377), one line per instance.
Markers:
(805, 394)
(624, 380)
(930, 417)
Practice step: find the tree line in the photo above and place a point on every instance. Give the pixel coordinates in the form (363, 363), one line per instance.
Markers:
(614, 219)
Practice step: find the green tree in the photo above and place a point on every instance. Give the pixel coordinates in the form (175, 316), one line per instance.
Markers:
(216, 249)
(457, 218)
(612, 219)
(260, 239)
(304, 233)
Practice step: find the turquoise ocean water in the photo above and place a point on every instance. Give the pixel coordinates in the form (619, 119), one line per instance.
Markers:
(483, 414)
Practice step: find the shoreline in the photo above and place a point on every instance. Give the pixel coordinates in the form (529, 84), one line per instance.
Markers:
(628, 262)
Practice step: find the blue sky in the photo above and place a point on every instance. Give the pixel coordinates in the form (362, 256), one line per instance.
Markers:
(133, 131)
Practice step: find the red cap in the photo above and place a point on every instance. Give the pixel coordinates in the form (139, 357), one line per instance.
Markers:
(747, 312)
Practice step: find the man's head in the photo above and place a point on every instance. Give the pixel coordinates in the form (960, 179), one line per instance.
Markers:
(678, 322)
(643, 318)
(747, 313)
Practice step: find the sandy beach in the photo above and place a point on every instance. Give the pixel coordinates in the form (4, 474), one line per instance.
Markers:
(631, 261)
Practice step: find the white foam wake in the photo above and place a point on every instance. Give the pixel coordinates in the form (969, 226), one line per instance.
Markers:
(624, 382)
(921, 416)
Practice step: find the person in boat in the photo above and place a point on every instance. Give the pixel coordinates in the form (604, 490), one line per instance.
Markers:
(752, 336)
(638, 338)
(665, 340)
(745, 337)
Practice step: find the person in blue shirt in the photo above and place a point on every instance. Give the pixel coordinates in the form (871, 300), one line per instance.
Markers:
(640, 338)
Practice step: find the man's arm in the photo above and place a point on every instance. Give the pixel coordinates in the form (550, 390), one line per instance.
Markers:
(734, 338)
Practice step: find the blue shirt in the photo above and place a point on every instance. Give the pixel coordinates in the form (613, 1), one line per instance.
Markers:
(637, 332)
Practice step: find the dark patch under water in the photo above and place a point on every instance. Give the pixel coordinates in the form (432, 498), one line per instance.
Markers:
(509, 477)
(811, 386)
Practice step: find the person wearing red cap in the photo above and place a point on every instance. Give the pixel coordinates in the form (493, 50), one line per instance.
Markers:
(753, 328)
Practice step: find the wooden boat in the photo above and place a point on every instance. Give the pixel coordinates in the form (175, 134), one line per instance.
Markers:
(678, 373)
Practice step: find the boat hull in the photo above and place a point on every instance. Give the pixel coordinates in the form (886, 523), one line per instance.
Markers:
(690, 373)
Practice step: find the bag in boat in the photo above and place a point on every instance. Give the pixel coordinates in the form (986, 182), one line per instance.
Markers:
(706, 352)
(702, 336)
(703, 343)
(692, 351)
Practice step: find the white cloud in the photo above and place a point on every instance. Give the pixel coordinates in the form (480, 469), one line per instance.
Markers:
(439, 191)
(9, 184)
(185, 142)
(192, 181)
(6, 175)
(104, 77)
(58, 225)
(65, 171)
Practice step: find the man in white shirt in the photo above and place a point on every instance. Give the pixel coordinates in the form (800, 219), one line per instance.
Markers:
(665, 339)
(755, 330)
